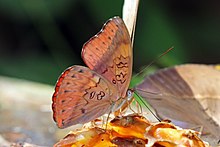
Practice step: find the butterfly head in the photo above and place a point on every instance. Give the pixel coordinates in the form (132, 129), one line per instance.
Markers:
(129, 94)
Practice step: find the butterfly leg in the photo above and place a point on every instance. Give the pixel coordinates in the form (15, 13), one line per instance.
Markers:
(200, 130)
(111, 110)
(139, 107)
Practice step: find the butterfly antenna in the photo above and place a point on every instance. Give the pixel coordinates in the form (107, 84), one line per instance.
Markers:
(140, 98)
(153, 61)
(148, 92)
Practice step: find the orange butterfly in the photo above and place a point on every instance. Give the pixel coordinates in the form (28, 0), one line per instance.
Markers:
(82, 94)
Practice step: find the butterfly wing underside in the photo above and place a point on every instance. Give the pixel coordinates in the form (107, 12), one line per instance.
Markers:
(109, 53)
(81, 95)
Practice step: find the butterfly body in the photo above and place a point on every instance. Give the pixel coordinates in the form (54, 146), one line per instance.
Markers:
(83, 93)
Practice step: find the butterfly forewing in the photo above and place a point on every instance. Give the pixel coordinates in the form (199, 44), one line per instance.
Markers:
(109, 53)
(80, 96)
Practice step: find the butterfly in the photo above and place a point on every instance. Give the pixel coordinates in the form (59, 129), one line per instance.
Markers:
(84, 93)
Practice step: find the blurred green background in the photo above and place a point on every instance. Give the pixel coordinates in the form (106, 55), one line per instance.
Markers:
(40, 38)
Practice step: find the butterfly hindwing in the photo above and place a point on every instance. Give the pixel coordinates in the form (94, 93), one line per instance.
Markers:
(81, 95)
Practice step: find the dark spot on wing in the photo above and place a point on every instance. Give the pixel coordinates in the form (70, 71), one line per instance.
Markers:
(81, 71)
(65, 91)
(113, 81)
(92, 94)
(63, 122)
(83, 110)
(100, 95)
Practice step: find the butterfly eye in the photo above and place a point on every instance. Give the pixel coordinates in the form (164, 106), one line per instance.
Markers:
(129, 93)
